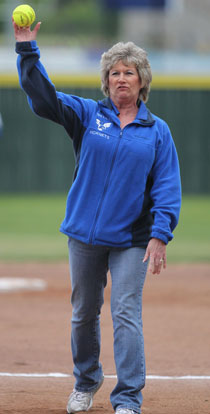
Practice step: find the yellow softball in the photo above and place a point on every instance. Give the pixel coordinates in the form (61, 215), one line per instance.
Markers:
(24, 15)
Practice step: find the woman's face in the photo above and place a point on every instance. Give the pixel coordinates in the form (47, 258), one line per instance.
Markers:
(124, 83)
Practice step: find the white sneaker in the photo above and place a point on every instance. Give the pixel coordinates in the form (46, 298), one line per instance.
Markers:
(124, 411)
(81, 401)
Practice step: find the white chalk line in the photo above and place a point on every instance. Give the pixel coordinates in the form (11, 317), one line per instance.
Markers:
(10, 284)
(61, 375)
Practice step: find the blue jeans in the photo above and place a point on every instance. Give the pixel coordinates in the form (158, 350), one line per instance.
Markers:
(88, 269)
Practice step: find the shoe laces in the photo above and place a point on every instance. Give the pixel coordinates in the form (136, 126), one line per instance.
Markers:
(81, 396)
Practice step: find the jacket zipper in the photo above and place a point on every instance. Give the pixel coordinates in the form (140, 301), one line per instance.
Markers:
(91, 238)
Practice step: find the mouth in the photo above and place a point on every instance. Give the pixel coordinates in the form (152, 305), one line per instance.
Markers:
(122, 87)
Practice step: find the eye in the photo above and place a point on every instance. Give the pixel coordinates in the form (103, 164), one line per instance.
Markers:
(129, 72)
(114, 73)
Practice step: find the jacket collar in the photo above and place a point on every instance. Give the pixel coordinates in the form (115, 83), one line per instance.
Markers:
(144, 116)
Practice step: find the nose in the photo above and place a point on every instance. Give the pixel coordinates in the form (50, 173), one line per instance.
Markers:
(121, 77)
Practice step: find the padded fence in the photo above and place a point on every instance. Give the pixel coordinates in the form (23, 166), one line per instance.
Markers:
(36, 154)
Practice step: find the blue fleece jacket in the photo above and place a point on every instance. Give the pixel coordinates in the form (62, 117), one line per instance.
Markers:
(126, 186)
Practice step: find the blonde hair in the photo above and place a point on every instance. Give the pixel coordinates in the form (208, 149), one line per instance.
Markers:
(128, 53)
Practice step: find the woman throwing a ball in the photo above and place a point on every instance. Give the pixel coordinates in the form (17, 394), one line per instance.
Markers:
(121, 209)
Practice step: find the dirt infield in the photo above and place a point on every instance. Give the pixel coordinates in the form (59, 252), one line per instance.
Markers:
(35, 337)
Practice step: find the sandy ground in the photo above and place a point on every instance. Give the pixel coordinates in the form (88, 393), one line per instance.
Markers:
(35, 338)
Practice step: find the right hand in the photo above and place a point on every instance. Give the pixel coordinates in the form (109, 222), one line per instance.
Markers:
(25, 34)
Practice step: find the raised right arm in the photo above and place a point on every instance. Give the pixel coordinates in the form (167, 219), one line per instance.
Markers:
(70, 111)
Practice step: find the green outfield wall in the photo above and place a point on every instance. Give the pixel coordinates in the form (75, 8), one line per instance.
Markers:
(36, 154)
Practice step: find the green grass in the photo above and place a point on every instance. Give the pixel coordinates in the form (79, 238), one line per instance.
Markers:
(191, 241)
(29, 229)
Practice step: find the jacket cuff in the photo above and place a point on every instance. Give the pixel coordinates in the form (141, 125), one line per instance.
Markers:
(26, 46)
(160, 236)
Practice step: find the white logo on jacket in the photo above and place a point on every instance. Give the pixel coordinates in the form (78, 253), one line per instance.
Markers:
(102, 127)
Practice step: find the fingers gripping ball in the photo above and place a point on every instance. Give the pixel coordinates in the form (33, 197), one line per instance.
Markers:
(24, 15)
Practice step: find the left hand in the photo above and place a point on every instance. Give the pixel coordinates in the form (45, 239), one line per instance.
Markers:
(156, 252)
